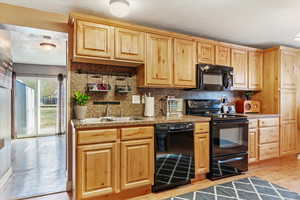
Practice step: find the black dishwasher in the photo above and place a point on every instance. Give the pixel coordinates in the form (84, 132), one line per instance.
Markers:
(174, 151)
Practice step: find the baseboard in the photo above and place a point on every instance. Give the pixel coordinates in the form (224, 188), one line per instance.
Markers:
(6, 176)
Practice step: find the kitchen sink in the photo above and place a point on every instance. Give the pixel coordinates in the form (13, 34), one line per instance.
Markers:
(112, 119)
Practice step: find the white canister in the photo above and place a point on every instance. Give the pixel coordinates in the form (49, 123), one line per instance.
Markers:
(149, 107)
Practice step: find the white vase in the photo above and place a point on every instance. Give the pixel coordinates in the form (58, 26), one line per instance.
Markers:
(80, 111)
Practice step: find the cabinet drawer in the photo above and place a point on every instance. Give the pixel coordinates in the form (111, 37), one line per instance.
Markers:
(253, 123)
(137, 132)
(268, 135)
(96, 136)
(267, 151)
(268, 122)
(201, 127)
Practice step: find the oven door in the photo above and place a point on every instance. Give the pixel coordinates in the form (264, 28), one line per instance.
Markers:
(229, 137)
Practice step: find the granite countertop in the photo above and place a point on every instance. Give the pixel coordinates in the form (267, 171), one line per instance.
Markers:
(259, 115)
(83, 124)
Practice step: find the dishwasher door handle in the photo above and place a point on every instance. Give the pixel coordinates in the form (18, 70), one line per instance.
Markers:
(230, 160)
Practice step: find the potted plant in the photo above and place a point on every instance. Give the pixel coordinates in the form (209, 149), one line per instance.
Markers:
(80, 108)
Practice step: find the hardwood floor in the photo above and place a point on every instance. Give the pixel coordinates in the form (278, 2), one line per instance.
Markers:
(39, 168)
(283, 171)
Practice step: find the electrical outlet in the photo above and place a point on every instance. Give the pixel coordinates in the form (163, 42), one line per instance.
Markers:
(1, 143)
(136, 99)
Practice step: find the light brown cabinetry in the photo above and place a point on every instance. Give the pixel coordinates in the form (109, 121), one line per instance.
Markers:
(239, 63)
(111, 161)
(201, 146)
(129, 44)
(184, 63)
(96, 170)
(94, 40)
(255, 70)
(206, 53)
(253, 141)
(137, 163)
(288, 69)
(222, 55)
(159, 61)
(268, 138)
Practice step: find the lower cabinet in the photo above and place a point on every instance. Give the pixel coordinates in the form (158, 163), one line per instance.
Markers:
(137, 163)
(112, 166)
(97, 172)
(253, 145)
(288, 138)
(201, 146)
(201, 142)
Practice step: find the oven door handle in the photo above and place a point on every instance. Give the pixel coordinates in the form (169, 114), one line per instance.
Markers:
(230, 160)
(232, 122)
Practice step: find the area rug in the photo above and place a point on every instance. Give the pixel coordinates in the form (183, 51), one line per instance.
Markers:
(252, 188)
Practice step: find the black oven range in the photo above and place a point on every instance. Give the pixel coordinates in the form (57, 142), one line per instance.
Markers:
(228, 138)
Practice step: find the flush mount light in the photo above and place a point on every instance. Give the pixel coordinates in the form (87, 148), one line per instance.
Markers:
(47, 44)
(119, 8)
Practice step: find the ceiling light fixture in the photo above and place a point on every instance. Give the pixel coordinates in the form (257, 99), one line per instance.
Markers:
(47, 44)
(119, 8)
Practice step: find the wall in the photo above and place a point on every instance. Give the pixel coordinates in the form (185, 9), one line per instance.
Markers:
(79, 83)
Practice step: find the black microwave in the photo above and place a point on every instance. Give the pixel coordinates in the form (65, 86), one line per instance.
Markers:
(214, 77)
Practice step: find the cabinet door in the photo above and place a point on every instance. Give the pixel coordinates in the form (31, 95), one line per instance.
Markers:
(255, 70)
(288, 104)
(96, 170)
(159, 60)
(240, 68)
(253, 145)
(94, 40)
(288, 138)
(137, 163)
(288, 70)
(201, 143)
(129, 45)
(206, 53)
(184, 63)
(222, 55)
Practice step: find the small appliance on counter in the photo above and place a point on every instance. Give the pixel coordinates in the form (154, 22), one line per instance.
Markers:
(247, 106)
(149, 106)
(174, 106)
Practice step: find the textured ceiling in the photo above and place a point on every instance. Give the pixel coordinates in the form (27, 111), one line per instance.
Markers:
(26, 46)
(258, 23)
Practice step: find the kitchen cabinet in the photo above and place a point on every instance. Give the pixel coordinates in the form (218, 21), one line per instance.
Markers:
(129, 44)
(137, 163)
(94, 40)
(288, 139)
(268, 138)
(112, 161)
(255, 70)
(184, 63)
(239, 63)
(96, 170)
(222, 55)
(288, 69)
(159, 60)
(253, 141)
(201, 146)
(206, 53)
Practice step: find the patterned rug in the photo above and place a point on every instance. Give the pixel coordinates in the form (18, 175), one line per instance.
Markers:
(251, 188)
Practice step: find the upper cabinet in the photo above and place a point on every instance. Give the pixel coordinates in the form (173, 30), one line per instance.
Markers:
(240, 68)
(222, 55)
(288, 69)
(206, 53)
(255, 70)
(159, 60)
(184, 63)
(129, 45)
(94, 40)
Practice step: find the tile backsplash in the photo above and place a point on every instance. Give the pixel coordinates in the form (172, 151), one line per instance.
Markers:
(79, 83)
